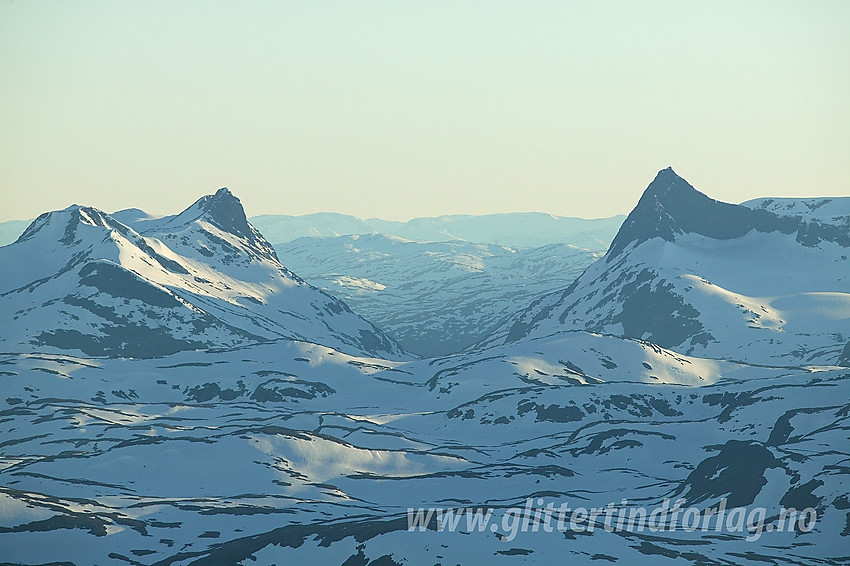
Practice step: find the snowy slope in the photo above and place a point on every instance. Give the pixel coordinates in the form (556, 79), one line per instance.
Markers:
(294, 453)
(79, 280)
(523, 229)
(710, 279)
(435, 298)
(831, 210)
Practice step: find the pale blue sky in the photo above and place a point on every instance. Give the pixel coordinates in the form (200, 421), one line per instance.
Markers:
(402, 109)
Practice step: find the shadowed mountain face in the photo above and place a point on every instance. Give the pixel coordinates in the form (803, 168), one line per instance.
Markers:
(80, 280)
(226, 212)
(670, 206)
(712, 279)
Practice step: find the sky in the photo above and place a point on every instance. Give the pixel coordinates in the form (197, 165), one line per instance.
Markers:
(405, 109)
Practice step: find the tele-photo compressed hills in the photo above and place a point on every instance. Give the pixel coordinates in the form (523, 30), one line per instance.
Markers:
(177, 390)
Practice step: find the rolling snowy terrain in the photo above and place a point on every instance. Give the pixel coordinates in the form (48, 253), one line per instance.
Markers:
(434, 298)
(289, 452)
(203, 405)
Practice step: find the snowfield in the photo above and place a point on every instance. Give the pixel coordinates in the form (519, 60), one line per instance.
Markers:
(289, 451)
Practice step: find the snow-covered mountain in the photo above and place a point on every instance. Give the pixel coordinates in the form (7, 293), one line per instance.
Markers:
(831, 210)
(434, 298)
(515, 229)
(238, 444)
(711, 279)
(80, 280)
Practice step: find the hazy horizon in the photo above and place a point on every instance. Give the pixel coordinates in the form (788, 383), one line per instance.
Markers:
(397, 111)
(338, 213)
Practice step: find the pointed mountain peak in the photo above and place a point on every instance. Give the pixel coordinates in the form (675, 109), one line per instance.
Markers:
(668, 185)
(225, 210)
(671, 206)
(221, 209)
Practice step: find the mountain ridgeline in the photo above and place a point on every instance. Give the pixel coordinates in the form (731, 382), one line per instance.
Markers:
(79, 280)
(763, 282)
(670, 206)
(709, 278)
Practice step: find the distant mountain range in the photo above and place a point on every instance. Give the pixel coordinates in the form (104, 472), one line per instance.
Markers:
(518, 229)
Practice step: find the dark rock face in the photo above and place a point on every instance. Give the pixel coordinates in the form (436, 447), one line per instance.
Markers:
(659, 311)
(227, 213)
(127, 339)
(670, 206)
(844, 360)
(737, 470)
(551, 413)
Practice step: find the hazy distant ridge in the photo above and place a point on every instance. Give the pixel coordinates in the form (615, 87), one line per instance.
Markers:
(525, 229)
